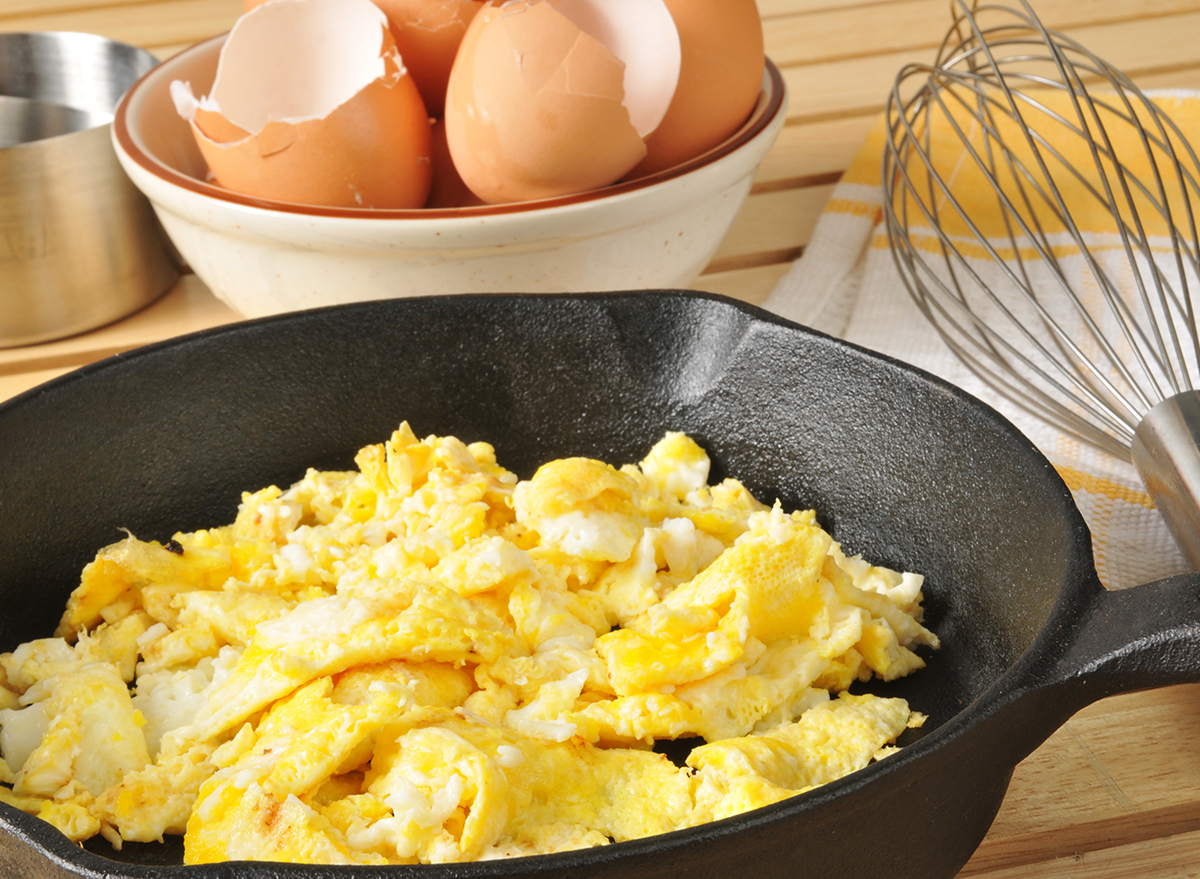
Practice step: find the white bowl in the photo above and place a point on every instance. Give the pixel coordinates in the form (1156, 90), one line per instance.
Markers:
(265, 257)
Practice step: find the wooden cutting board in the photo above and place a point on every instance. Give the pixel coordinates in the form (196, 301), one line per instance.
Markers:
(1116, 788)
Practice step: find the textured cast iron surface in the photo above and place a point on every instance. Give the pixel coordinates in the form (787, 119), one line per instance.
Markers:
(898, 466)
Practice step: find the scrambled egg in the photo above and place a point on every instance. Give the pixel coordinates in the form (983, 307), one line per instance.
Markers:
(427, 660)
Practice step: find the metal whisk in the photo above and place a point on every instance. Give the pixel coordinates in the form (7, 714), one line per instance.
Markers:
(1042, 212)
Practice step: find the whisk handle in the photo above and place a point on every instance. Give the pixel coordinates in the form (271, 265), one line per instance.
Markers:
(1166, 453)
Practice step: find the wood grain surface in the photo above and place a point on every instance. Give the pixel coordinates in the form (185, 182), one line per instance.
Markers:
(1116, 791)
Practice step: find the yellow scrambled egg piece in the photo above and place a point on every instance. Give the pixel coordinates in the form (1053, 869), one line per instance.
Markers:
(429, 660)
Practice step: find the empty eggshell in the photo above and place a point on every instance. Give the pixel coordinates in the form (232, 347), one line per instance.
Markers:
(719, 80)
(427, 34)
(312, 104)
(552, 97)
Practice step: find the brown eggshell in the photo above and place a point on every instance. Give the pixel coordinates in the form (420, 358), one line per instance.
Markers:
(534, 107)
(427, 34)
(369, 152)
(720, 78)
(217, 128)
(311, 105)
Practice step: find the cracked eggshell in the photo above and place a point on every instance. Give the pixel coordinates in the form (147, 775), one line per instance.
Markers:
(428, 33)
(553, 97)
(311, 104)
(719, 80)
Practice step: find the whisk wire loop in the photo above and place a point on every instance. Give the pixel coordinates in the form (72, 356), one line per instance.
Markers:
(989, 340)
(1076, 92)
(1042, 212)
(1158, 200)
(952, 257)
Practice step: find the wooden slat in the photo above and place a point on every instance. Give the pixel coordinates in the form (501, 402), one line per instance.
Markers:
(841, 32)
(812, 155)
(820, 33)
(750, 285)
(767, 8)
(845, 89)
(145, 24)
(775, 9)
(1100, 782)
(12, 8)
(19, 383)
(187, 306)
(1184, 78)
(842, 89)
(771, 227)
(778, 8)
(1172, 856)
(166, 51)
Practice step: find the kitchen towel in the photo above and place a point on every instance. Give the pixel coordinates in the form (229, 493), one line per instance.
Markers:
(846, 284)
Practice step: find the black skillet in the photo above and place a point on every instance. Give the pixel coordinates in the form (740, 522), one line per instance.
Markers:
(899, 466)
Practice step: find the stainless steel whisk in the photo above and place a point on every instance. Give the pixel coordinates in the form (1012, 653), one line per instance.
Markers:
(1042, 212)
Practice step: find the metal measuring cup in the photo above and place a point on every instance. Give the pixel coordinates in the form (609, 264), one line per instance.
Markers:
(80, 247)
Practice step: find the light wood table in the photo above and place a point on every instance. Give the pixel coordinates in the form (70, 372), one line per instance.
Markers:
(1116, 792)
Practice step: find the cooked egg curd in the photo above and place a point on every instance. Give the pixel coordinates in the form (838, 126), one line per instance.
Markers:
(428, 660)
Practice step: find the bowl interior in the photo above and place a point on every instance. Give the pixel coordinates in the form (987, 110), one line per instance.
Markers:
(153, 135)
(153, 123)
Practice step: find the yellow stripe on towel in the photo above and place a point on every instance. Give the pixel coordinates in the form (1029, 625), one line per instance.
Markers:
(1079, 481)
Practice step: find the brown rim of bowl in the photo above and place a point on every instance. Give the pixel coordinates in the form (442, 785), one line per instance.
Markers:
(760, 118)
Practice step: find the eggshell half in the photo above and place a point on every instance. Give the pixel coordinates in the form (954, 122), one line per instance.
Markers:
(428, 33)
(540, 104)
(719, 80)
(643, 35)
(311, 104)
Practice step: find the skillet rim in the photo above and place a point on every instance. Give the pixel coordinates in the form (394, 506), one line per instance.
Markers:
(59, 849)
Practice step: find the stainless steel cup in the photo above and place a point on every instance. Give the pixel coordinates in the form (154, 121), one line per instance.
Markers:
(80, 247)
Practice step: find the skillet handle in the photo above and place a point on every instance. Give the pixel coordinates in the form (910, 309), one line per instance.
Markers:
(1119, 642)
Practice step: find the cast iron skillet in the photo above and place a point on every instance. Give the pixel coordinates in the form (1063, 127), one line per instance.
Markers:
(899, 466)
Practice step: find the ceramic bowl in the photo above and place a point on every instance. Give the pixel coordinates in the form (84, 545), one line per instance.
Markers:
(264, 257)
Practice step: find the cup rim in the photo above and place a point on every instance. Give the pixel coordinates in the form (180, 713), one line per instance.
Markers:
(770, 103)
(44, 84)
